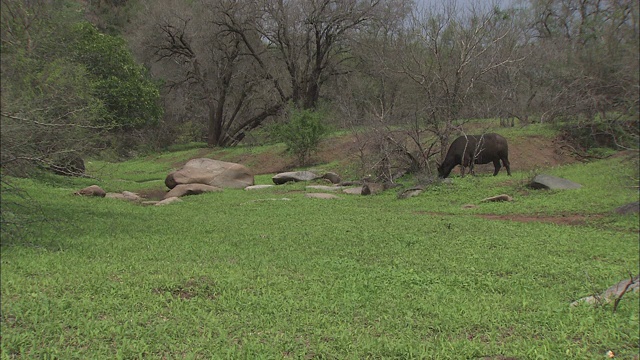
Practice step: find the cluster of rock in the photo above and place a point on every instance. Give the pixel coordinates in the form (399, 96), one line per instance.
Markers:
(362, 187)
(204, 175)
(197, 176)
(97, 191)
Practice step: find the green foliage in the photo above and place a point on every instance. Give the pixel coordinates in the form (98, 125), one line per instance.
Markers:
(360, 277)
(124, 86)
(302, 133)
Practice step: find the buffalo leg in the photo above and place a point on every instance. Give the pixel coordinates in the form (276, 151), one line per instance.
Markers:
(496, 165)
(505, 161)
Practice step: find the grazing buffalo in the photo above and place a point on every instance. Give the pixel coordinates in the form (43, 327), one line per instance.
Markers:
(476, 149)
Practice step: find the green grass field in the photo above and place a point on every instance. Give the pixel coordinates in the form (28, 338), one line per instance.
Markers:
(247, 275)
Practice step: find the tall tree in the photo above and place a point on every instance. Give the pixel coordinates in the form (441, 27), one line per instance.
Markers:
(240, 63)
(311, 38)
(207, 67)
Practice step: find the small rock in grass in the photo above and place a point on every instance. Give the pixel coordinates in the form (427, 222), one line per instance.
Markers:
(93, 190)
(631, 208)
(332, 177)
(497, 198)
(321, 196)
(372, 188)
(410, 192)
(258, 187)
(353, 191)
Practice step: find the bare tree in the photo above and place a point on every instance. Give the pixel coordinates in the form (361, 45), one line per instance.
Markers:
(596, 43)
(309, 38)
(447, 52)
(209, 67)
(592, 74)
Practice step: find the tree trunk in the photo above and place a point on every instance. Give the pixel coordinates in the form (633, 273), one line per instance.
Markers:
(214, 137)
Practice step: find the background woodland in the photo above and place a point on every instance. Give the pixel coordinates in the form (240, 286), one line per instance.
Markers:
(116, 78)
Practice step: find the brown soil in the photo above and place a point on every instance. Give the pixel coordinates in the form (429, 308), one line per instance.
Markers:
(531, 153)
(525, 154)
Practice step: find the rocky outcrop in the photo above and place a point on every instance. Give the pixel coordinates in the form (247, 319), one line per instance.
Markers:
(211, 172)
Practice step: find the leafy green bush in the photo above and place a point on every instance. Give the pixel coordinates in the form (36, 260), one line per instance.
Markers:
(124, 86)
(302, 133)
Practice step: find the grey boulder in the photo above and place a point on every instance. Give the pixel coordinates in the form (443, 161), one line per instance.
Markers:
(549, 182)
(294, 176)
(211, 172)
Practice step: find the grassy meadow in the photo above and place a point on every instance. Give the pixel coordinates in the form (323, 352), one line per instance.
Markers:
(271, 274)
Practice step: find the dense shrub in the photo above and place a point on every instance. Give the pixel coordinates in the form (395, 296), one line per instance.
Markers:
(302, 133)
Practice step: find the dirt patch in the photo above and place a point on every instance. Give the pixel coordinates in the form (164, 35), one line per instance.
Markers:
(525, 154)
(534, 152)
(565, 219)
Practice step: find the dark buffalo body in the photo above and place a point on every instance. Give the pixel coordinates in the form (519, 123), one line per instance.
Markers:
(476, 149)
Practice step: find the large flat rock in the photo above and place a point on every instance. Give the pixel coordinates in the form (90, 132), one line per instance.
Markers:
(294, 176)
(550, 182)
